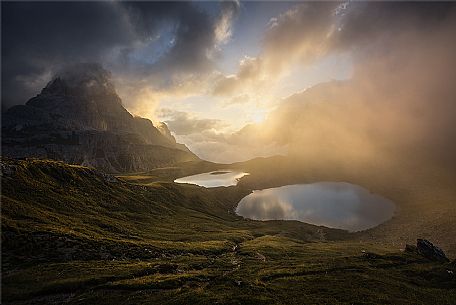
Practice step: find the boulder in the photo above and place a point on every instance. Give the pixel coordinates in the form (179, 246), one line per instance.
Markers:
(410, 248)
(428, 250)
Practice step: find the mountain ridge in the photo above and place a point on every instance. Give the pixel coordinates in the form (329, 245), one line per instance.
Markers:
(79, 118)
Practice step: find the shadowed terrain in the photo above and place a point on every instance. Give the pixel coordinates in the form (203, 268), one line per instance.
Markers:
(79, 118)
(341, 113)
(73, 234)
(423, 195)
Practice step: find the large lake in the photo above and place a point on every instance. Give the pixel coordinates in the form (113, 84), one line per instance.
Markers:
(214, 179)
(332, 204)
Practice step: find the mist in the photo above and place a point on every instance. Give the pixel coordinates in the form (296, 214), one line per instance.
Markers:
(398, 107)
(398, 102)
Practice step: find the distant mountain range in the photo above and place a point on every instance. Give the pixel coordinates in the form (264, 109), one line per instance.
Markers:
(79, 118)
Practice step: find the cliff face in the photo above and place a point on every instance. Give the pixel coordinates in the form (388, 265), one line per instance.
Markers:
(79, 118)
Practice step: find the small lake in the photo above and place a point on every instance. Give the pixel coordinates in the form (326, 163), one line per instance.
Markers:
(214, 179)
(332, 204)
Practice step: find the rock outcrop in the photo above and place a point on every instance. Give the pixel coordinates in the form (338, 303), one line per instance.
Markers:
(428, 250)
(79, 118)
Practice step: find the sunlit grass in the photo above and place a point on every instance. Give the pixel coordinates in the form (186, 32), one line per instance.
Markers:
(72, 234)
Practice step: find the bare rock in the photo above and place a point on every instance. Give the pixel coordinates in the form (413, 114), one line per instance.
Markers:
(428, 250)
(79, 118)
(410, 248)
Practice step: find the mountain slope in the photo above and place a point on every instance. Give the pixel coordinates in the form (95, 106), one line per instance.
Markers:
(71, 234)
(79, 118)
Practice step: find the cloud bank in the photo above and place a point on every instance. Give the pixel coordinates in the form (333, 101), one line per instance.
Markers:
(399, 105)
(156, 44)
(400, 100)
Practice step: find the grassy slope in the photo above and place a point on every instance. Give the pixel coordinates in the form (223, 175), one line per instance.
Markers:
(71, 234)
(169, 174)
(425, 197)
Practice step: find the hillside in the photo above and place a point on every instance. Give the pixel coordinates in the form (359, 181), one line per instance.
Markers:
(424, 195)
(79, 118)
(71, 234)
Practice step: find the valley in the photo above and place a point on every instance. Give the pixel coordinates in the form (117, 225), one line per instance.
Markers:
(71, 234)
(228, 152)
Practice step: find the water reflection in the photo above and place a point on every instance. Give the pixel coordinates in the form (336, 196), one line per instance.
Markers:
(332, 204)
(214, 179)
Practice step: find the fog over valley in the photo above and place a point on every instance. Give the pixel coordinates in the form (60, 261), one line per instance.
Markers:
(228, 152)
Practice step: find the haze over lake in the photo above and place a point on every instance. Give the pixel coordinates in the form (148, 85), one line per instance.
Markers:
(214, 179)
(333, 204)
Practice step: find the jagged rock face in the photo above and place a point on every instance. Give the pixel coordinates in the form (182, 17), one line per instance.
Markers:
(163, 128)
(430, 251)
(79, 118)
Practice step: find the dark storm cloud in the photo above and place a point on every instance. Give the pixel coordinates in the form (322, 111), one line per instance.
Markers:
(38, 38)
(192, 34)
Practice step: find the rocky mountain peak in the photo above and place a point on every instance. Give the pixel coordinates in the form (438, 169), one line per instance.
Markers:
(79, 118)
(81, 78)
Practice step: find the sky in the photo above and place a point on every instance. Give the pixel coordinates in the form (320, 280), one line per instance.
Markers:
(216, 71)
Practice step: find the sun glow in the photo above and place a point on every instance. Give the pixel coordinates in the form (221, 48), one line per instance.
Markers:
(258, 116)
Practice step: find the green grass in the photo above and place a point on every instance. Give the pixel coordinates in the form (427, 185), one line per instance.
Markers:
(169, 174)
(265, 270)
(71, 234)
